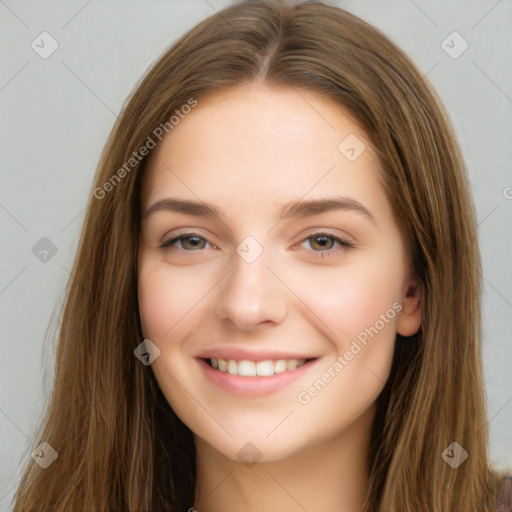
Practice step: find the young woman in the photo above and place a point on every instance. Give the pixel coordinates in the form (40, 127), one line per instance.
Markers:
(276, 299)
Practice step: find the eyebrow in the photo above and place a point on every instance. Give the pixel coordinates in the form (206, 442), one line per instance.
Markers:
(293, 209)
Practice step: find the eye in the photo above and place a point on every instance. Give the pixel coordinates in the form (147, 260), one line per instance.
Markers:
(321, 243)
(188, 241)
(325, 242)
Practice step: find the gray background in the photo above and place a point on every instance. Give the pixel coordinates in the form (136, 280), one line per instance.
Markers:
(56, 114)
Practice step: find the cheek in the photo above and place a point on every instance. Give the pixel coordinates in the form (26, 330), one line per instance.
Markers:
(350, 298)
(356, 302)
(165, 299)
(154, 299)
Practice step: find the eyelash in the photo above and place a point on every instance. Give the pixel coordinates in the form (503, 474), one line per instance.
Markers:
(345, 244)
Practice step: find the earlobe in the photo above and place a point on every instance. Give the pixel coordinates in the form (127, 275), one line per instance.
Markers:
(409, 319)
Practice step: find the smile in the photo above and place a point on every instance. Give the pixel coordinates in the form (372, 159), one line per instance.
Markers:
(247, 368)
(252, 379)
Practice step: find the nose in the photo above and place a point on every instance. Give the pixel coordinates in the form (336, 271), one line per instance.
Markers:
(251, 295)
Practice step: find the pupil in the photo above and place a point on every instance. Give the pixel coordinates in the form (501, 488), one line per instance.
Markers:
(194, 241)
(325, 240)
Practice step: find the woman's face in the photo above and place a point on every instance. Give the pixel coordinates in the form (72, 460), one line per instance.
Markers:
(290, 277)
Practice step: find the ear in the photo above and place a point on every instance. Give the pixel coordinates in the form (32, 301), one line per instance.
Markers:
(409, 319)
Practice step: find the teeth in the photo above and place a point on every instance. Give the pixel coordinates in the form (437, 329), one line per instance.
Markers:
(266, 368)
(247, 368)
(232, 367)
(280, 366)
(291, 364)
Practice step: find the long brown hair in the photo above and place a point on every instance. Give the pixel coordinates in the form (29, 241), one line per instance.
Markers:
(120, 446)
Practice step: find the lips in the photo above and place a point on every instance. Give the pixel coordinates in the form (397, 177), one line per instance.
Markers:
(253, 372)
(252, 363)
(244, 384)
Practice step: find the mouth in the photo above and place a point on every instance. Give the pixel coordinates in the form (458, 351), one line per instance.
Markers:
(246, 368)
(253, 379)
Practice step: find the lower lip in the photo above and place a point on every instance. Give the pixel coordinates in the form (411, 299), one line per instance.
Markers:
(253, 386)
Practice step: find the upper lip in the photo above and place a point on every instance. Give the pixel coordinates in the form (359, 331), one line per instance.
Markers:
(239, 354)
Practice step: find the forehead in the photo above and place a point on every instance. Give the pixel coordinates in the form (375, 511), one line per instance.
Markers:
(253, 146)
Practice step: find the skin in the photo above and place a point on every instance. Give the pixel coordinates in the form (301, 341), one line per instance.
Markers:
(249, 150)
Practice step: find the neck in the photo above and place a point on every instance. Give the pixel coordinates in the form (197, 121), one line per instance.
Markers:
(329, 476)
